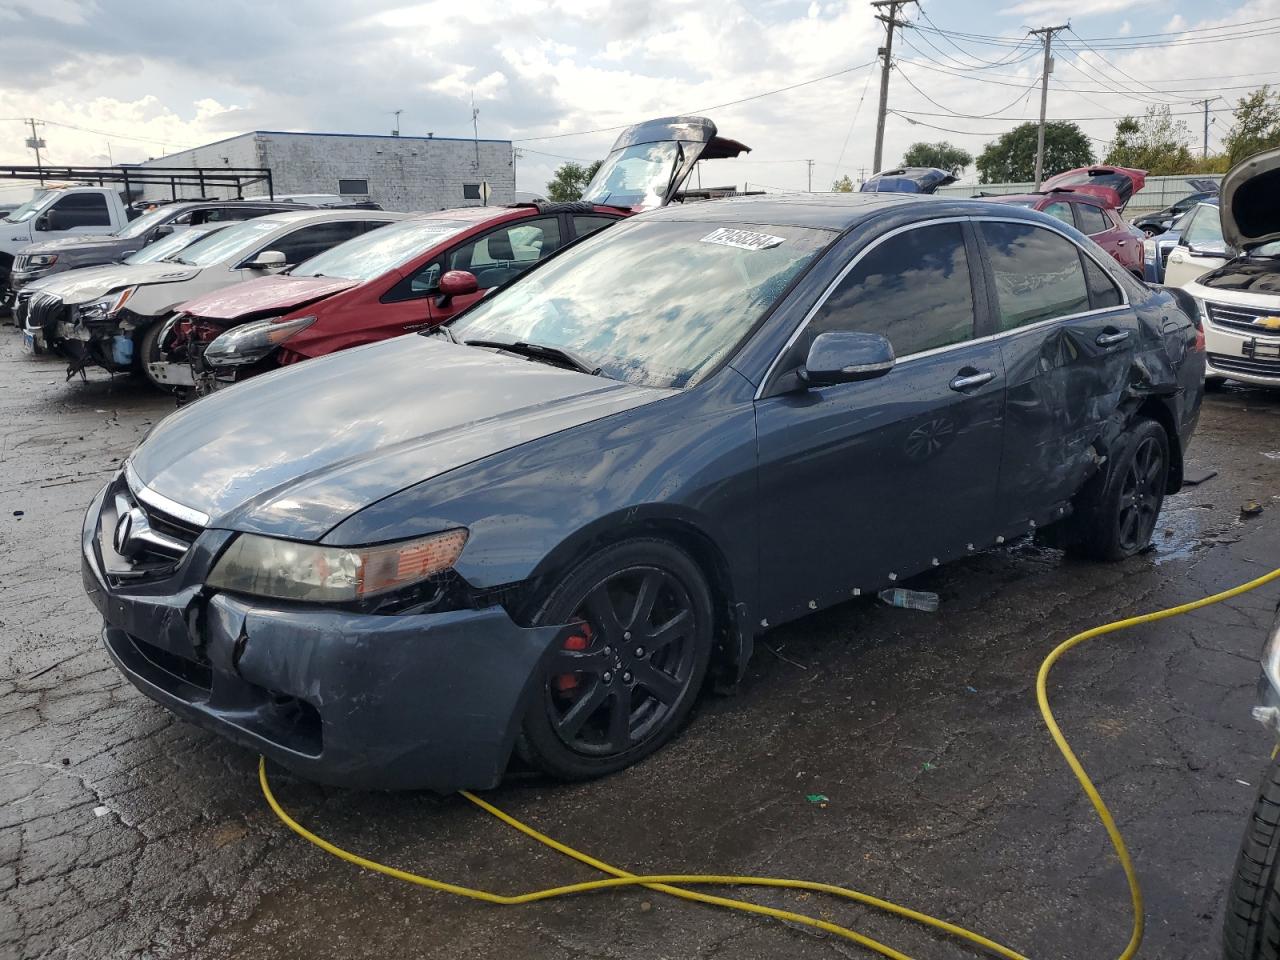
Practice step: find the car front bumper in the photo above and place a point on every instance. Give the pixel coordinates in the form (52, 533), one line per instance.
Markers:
(20, 278)
(424, 701)
(1242, 356)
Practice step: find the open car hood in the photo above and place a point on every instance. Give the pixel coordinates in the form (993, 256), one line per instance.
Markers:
(82, 286)
(265, 296)
(1112, 185)
(908, 180)
(650, 161)
(1250, 201)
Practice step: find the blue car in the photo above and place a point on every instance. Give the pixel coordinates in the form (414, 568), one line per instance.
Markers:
(546, 525)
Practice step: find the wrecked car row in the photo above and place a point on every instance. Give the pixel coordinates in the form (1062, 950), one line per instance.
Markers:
(540, 525)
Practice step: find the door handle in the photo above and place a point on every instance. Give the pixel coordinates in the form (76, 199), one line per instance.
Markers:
(965, 381)
(1121, 243)
(1108, 339)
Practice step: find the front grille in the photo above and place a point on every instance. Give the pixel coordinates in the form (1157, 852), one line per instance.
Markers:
(1255, 366)
(140, 539)
(1165, 249)
(20, 304)
(1232, 317)
(20, 261)
(44, 310)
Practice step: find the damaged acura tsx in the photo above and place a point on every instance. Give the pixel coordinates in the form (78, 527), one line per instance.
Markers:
(544, 526)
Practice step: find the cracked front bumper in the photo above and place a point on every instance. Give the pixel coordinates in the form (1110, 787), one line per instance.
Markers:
(424, 701)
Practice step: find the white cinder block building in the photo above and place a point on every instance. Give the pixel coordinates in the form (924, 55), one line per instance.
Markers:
(400, 173)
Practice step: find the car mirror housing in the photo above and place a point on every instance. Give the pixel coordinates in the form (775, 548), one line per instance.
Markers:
(267, 260)
(839, 356)
(1220, 252)
(164, 230)
(456, 283)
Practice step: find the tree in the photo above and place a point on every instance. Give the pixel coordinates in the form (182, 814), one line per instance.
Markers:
(1012, 158)
(570, 180)
(943, 155)
(1157, 143)
(843, 185)
(1256, 126)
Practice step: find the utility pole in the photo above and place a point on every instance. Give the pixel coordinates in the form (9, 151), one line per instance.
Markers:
(34, 142)
(1206, 103)
(1046, 34)
(886, 53)
(810, 164)
(396, 131)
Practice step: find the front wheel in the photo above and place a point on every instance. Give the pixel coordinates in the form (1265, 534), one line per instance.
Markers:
(1116, 513)
(622, 685)
(1251, 928)
(148, 352)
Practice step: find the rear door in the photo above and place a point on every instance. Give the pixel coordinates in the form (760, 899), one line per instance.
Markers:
(495, 258)
(1068, 340)
(862, 481)
(1201, 248)
(1110, 235)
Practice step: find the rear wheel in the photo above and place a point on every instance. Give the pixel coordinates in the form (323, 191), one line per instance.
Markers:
(1251, 928)
(622, 685)
(1116, 513)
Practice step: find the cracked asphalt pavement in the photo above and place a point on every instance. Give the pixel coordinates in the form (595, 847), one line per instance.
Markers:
(125, 833)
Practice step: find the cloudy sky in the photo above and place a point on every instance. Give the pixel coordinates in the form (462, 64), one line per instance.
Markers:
(131, 79)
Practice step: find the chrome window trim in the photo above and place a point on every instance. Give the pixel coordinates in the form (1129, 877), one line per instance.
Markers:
(804, 323)
(159, 501)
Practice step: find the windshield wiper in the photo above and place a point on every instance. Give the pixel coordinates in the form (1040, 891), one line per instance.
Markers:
(177, 259)
(442, 328)
(540, 351)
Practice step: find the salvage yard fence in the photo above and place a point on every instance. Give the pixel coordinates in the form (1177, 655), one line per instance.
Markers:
(1156, 194)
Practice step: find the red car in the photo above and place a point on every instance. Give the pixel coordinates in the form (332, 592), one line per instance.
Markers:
(421, 271)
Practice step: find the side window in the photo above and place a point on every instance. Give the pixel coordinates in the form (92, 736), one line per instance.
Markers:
(507, 252)
(1103, 291)
(587, 224)
(82, 210)
(307, 241)
(1037, 274)
(1092, 220)
(1205, 230)
(913, 288)
(1060, 210)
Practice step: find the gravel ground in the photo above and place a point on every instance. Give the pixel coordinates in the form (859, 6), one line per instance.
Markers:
(126, 833)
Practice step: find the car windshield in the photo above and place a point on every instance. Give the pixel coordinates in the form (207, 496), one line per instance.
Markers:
(656, 303)
(374, 253)
(226, 243)
(636, 177)
(166, 247)
(32, 206)
(144, 223)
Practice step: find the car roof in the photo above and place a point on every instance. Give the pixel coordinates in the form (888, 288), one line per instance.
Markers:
(1065, 196)
(831, 211)
(324, 214)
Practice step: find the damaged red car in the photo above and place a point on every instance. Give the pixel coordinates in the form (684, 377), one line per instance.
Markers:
(422, 271)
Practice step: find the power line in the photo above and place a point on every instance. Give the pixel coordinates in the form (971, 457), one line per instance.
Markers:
(968, 53)
(1112, 65)
(1188, 37)
(848, 133)
(981, 116)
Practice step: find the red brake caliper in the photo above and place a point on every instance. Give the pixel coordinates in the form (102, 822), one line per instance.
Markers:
(565, 682)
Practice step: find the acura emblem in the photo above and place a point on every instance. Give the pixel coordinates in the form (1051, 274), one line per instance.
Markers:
(130, 533)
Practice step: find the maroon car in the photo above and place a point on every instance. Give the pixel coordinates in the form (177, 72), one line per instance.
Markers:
(1091, 215)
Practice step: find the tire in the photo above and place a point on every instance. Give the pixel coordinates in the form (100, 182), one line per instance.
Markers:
(1251, 927)
(1116, 513)
(147, 350)
(575, 727)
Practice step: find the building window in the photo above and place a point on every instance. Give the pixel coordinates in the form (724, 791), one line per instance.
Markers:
(471, 191)
(353, 187)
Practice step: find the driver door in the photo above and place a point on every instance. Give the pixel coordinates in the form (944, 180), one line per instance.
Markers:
(73, 214)
(495, 258)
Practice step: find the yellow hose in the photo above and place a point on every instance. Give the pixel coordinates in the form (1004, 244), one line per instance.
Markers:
(664, 883)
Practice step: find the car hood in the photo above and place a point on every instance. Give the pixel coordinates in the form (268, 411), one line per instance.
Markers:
(53, 246)
(908, 180)
(1261, 276)
(266, 295)
(81, 286)
(1250, 201)
(1112, 185)
(295, 452)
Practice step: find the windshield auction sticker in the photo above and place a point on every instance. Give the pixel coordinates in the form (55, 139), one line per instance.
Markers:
(743, 239)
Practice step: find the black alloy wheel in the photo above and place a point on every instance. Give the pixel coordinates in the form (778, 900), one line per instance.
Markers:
(623, 682)
(1141, 495)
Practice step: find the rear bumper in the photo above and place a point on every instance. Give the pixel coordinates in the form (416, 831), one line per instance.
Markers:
(428, 701)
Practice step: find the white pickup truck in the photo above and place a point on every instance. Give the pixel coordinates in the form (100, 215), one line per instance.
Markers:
(57, 212)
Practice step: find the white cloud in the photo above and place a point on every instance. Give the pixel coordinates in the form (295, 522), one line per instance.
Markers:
(1074, 8)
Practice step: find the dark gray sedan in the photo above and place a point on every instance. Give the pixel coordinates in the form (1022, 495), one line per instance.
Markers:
(543, 527)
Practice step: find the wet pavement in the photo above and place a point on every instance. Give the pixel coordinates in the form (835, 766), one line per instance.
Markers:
(126, 833)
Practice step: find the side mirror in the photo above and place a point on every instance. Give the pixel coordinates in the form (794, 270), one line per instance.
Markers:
(456, 283)
(839, 356)
(1215, 252)
(268, 260)
(164, 230)
(48, 222)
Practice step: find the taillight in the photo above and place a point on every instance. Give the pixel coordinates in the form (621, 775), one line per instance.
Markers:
(1199, 344)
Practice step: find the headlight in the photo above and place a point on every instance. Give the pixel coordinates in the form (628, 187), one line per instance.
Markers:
(253, 341)
(1202, 309)
(107, 307)
(42, 260)
(284, 570)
